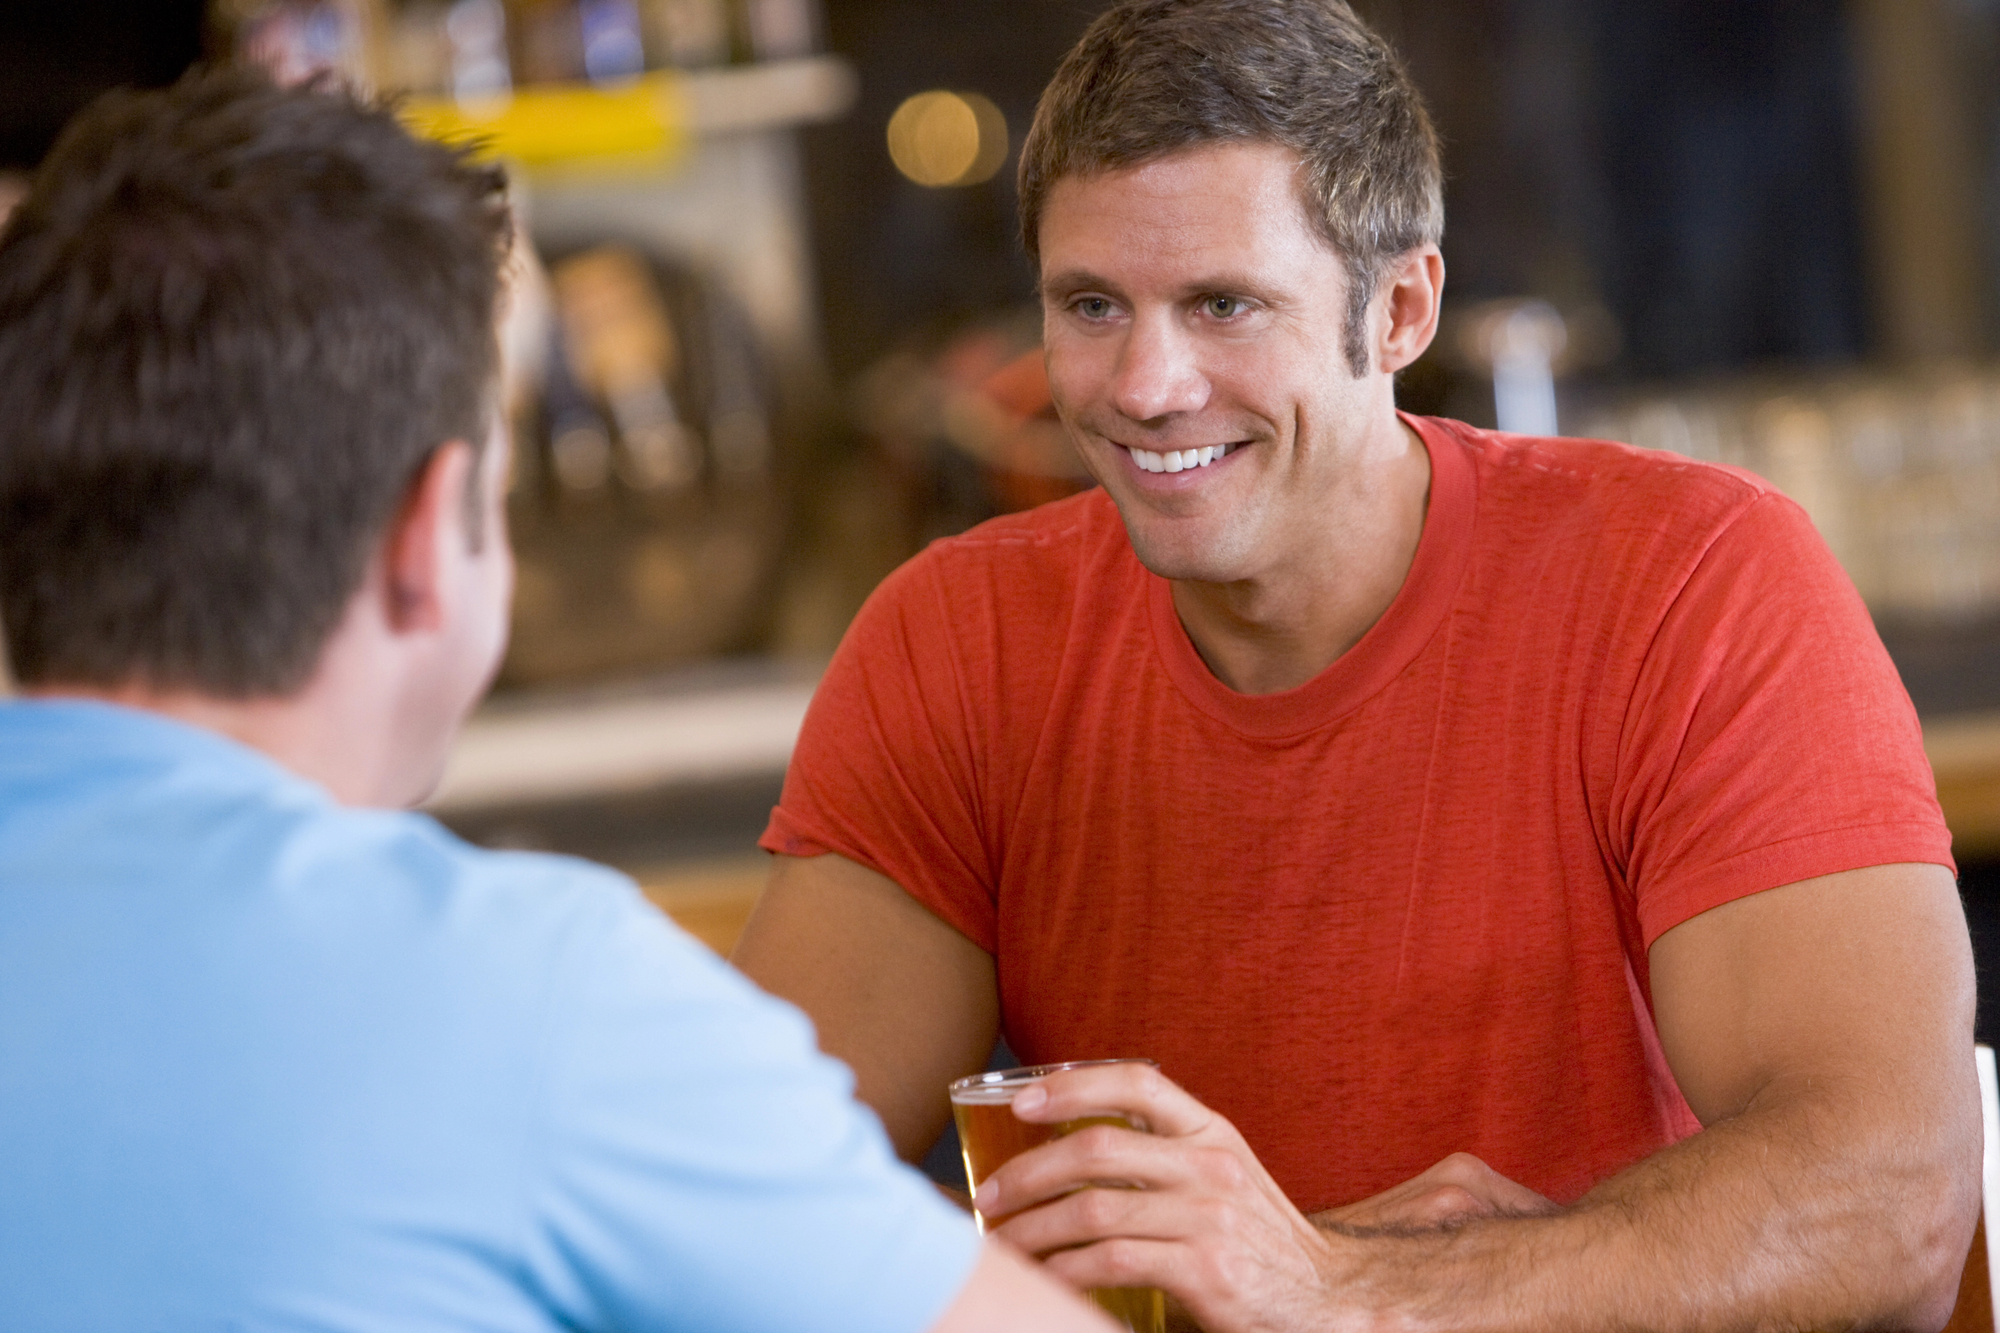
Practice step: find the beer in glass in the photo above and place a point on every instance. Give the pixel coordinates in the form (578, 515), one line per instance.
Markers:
(989, 1135)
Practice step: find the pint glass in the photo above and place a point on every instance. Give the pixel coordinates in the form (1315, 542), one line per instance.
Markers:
(989, 1135)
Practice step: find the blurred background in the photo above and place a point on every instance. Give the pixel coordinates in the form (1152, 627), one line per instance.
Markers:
(775, 331)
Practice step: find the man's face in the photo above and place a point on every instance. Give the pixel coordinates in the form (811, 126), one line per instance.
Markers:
(1188, 305)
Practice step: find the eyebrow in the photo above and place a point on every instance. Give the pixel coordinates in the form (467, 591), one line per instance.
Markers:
(1220, 284)
(1070, 280)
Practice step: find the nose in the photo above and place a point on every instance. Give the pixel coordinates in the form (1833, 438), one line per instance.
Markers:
(1158, 372)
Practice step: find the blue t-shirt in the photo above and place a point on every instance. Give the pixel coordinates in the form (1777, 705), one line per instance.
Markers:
(271, 1063)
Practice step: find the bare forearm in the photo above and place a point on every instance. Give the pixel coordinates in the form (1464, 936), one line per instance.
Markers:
(1817, 1207)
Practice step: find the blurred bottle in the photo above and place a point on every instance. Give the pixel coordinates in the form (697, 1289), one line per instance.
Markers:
(579, 442)
(547, 39)
(612, 50)
(739, 426)
(621, 347)
(455, 48)
(418, 57)
(296, 40)
(476, 42)
(778, 29)
(688, 34)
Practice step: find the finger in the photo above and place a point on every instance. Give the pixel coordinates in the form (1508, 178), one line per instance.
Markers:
(1199, 1284)
(1456, 1189)
(1110, 1153)
(1102, 1213)
(1408, 1205)
(1125, 1262)
(1482, 1182)
(1441, 1206)
(1139, 1092)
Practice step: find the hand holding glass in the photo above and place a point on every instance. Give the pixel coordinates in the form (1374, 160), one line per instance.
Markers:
(990, 1135)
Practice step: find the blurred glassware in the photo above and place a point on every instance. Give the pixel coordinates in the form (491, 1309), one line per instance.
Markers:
(780, 29)
(418, 56)
(547, 39)
(476, 38)
(1517, 343)
(613, 52)
(296, 40)
(1900, 471)
(688, 34)
(1522, 346)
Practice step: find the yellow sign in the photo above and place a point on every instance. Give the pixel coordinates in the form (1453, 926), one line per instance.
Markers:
(645, 120)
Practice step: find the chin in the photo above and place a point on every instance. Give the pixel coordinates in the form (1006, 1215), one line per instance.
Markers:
(1186, 556)
(1179, 565)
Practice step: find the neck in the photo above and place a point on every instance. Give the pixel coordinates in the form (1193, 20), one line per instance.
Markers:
(1279, 629)
(301, 738)
(359, 727)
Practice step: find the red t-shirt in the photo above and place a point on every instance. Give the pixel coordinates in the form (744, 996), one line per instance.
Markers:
(1402, 910)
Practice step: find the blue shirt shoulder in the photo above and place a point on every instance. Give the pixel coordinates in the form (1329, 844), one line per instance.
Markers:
(267, 1059)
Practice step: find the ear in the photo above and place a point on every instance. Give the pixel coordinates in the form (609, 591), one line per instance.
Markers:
(427, 528)
(1412, 290)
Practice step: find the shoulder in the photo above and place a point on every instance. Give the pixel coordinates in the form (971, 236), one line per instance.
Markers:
(1605, 473)
(574, 942)
(496, 921)
(1582, 496)
(406, 852)
(1015, 580)
(1050, 544)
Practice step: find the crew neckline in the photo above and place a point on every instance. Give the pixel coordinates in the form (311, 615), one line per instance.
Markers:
(1390, 644)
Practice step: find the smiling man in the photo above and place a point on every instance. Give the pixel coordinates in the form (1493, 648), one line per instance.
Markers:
(1518, 854)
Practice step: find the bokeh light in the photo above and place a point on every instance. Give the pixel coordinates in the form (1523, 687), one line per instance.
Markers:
(942, 138)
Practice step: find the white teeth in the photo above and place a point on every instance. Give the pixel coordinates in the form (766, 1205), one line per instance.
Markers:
(1179, 460)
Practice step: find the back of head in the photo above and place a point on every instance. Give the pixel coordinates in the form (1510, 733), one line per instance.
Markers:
(235, 320)
(1154, 77)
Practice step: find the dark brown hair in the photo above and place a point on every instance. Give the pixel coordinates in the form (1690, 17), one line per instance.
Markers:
(1153, 77)
(235, 322)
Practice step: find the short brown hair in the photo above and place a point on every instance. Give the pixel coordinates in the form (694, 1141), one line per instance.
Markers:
(235, 322)
(1153, 77)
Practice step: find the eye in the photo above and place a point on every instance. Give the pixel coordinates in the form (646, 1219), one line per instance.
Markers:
(1222, 307)
(1093, 307)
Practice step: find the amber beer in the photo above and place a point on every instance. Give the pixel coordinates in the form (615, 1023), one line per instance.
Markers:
(989, 1135)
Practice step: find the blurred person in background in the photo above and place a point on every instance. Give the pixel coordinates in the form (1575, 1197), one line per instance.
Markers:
(270, 1057)
(1519, 854)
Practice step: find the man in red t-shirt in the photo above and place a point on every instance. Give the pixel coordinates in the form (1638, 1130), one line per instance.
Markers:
(1518, 854)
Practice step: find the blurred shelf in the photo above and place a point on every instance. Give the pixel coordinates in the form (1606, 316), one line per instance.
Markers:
(645, 125)
(1965, 754)
(771, 95)
(727, 723)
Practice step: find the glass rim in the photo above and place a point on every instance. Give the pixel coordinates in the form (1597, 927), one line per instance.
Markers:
(1023, 1075)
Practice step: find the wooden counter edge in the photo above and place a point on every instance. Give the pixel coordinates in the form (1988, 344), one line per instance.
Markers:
(1964, 751)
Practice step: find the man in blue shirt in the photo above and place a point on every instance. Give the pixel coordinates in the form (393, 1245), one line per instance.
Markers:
(271, 1055)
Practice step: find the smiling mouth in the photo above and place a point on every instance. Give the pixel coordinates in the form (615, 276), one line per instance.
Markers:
(1179, 460)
